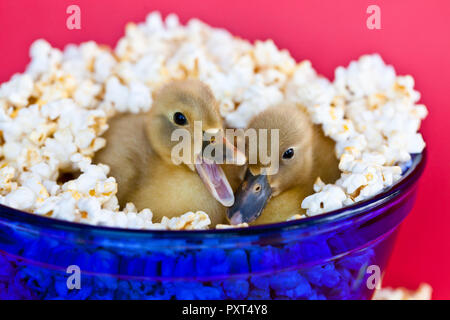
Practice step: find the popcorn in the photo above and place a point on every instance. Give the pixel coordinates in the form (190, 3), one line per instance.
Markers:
(267, 55)
(22, 198)
(372, 115)
(18, 90)
(7, 184)
(327, 198)
(53, 115)
(188, 221)
(255, 100)
(139, 99)
(34, 183)
(59, 207)
(86, 92)
(134, 99)
(103, 66)
(44, 58)
(422, 293)
(228, 226)
(295, 217)
(362, 78)
(12, 150)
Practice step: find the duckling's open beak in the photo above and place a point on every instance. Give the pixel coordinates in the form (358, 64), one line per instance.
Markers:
(251, 199)
(215, 180)
(209, 170)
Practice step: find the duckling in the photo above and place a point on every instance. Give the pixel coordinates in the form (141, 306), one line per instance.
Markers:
(267, 195)
(139, 154)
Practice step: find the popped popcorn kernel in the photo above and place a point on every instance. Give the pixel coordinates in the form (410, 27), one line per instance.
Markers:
(228, 226)
(188, 221)
(422, 293)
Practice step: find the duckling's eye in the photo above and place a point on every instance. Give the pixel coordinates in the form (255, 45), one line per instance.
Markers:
(179, 119)
(288, 154)
(257, 188)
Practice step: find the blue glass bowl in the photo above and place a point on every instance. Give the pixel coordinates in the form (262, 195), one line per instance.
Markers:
(330, 256)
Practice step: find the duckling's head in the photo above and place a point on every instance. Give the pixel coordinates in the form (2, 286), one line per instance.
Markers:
(184, 112)
(289, 160)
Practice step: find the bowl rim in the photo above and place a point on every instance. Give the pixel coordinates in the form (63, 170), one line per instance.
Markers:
(358, 209)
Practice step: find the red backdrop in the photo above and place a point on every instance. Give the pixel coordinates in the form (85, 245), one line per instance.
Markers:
(414, 37)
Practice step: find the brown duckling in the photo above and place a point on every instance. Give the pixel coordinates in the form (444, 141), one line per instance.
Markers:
(139, 154)
(304, 154)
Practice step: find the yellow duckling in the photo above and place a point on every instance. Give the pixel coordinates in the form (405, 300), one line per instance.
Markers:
(139, 152)
(267, 195)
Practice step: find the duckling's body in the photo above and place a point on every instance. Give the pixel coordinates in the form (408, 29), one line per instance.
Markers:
(314, 157)
(284, 206)
(138, 154)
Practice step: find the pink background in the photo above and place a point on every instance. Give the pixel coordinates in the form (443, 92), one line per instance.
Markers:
(415, 38)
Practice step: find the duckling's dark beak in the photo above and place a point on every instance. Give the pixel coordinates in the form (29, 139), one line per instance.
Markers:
(250, 199)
